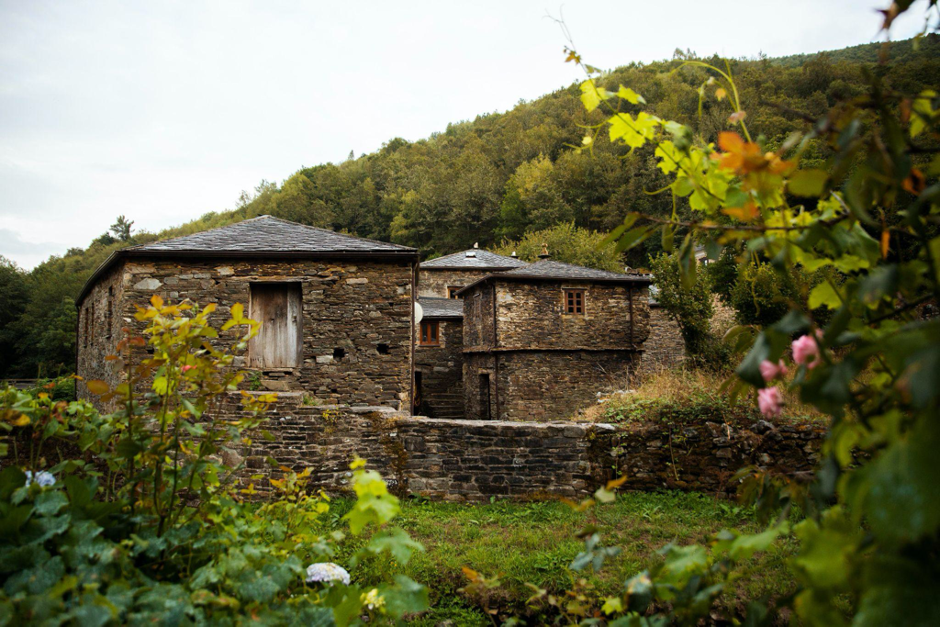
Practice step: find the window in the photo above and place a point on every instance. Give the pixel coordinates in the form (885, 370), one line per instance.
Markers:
(574, 301)
(85, 334)
(452, 291)
(429, 333)
(93, 322)
(279, 341)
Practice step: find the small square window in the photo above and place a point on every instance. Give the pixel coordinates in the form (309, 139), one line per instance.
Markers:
(574, 301)
(429, 333)
(452, 291)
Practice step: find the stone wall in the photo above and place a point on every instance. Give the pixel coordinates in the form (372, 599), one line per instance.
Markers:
(531, 316)
(100, 320)
(542, 385)
(356, 328)
(704, 457)
(664, 348)
(454, 460)
(479, 318)
(436, 282)
(474, 460)
(440, 369)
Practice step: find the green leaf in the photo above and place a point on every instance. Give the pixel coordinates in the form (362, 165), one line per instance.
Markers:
(824, 295)
(406, 597)
(397, 542)
(808, 183)
(49, 503)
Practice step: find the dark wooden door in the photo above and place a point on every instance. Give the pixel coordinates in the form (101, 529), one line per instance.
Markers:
(279, 341)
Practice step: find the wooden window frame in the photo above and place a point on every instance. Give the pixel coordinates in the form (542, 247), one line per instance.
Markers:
(433, 337)
(573, 301)
(453, 290)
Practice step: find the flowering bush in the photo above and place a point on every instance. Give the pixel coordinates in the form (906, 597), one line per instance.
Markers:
(869, 539)
(154, 528)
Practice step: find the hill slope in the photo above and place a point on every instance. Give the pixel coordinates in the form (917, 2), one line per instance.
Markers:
(497, 176)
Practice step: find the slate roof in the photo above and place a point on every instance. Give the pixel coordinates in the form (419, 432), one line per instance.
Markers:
(261, 237)
(473, 259)
(558, 271)
(267, 234)
(433, 307)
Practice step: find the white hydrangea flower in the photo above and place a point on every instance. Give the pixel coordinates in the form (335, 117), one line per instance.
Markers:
(326, 572)
(42, 478)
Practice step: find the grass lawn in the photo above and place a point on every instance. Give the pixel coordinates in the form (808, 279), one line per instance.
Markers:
(535, 542)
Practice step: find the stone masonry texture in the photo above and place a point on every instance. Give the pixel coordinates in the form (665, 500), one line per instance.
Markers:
(356, 328)
(469, 460)
(530, 360)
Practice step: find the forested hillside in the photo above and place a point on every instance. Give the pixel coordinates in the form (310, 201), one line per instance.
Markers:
(498, 176)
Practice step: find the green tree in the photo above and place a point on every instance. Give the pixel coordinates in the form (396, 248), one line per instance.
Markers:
(121, 229)
(567, 243)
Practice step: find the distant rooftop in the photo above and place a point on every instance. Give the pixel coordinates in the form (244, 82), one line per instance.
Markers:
(436, 307)
(266, 234)
(548, 269)
(558, 271)
(473, 259)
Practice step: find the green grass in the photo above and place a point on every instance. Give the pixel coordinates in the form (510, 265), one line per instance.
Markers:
(534, 542)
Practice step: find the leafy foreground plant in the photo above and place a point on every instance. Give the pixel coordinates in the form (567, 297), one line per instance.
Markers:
(150, 527)
(869, 542)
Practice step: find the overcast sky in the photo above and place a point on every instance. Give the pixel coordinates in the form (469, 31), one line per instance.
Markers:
(163, 111)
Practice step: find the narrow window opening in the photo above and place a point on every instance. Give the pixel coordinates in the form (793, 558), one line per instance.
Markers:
(85, 334)
(383, 349)
(452, 292)
(429, 333)
(574, 301)
(484, 383)
(417, 401)
(93, 322)
(339, 353)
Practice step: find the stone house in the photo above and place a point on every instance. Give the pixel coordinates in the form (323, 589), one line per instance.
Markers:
(337, 309)
(542, 339)
(439, 359)
(445, 276)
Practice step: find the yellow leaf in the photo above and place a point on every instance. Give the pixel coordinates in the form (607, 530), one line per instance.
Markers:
(97, 386)
(156, 301)
(237, 311)
(626, 93)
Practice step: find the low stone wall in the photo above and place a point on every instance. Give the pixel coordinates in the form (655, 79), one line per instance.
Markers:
(705, 457)
(454, 460)
(472, 460)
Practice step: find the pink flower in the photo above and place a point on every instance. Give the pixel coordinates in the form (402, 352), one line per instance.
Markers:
(185, 368)
(770, 402)
(770, 370)
(806, 351)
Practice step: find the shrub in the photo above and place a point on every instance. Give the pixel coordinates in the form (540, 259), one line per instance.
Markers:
(690, 305)
(156, 529)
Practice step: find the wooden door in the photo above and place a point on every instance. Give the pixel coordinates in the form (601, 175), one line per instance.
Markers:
(279, 341)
